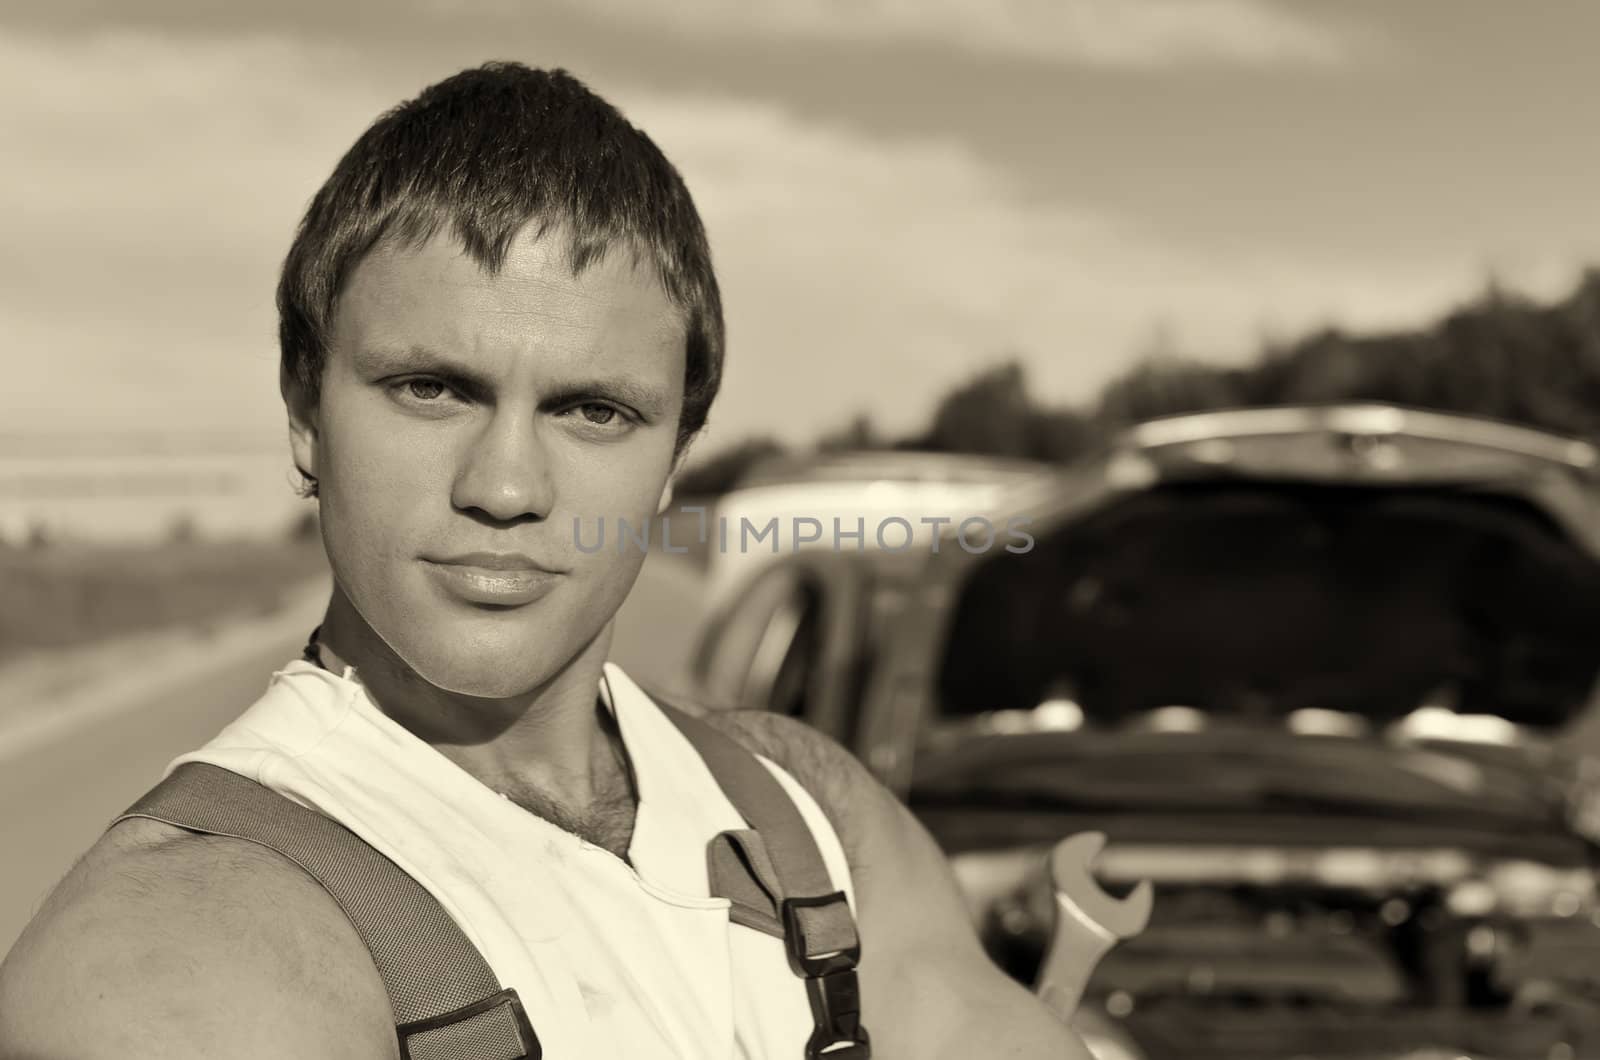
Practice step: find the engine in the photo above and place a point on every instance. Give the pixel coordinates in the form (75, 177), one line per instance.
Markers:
(1325, 952)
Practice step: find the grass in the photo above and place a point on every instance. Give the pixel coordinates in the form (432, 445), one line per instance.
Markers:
(64, 595)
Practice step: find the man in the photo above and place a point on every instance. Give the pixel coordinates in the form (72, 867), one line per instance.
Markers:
(498, 319)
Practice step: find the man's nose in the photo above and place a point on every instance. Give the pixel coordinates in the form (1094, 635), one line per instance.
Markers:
(505, 473)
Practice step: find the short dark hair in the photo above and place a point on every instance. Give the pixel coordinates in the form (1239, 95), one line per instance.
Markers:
(489, 151)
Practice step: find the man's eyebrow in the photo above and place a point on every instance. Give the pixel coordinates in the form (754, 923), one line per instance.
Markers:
(388, 360)
(639, 395)
(423, 360)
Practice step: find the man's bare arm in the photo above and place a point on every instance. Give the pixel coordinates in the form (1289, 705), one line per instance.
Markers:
(164, 945)
(928, 988)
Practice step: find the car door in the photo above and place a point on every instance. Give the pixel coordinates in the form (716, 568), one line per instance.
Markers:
(789, 642)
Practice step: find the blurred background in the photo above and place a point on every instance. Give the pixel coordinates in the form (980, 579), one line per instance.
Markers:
(1009, 229)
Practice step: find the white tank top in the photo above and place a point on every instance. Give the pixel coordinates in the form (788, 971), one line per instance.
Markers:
(610, 960)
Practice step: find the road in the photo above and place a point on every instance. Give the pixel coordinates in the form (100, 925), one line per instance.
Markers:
(62, 781)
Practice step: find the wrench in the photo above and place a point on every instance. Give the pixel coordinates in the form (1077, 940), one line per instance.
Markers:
(1088, 922)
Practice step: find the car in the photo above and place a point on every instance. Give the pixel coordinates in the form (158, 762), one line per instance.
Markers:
(859, 489)
(1324, 675)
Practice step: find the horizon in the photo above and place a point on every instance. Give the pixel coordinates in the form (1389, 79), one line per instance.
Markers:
(68, 441)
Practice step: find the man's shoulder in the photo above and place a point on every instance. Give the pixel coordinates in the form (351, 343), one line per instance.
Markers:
(162, 942)
(791, 743)
(846, 792)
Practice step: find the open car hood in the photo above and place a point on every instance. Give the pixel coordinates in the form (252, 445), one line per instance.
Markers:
(1238, 577)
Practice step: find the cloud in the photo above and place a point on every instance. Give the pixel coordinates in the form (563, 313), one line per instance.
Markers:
(1122, 34)
(152, 187)
(150, 191)
(864, 274)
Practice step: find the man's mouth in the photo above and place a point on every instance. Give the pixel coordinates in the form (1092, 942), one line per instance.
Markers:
(502, 561)
(506, 579)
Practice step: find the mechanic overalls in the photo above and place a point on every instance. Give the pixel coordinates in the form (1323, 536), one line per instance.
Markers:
(501, 936)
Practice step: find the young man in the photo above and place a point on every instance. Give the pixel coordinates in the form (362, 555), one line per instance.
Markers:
(499, 318)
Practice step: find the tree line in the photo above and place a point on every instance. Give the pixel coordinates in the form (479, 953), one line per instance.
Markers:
(1500, 355)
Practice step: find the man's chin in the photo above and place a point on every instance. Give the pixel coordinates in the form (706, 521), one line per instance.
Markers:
(477, 686)
(483, 674)
(492, 667)
(485, 653)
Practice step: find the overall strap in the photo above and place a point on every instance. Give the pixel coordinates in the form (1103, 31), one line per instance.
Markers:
(447, 1002)
(774, 875)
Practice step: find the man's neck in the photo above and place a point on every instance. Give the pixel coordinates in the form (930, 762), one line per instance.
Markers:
(551, 749)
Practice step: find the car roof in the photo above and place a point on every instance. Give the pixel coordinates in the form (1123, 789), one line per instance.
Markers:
(894, 465)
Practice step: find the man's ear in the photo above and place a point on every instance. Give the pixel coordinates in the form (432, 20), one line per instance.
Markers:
(672, 476)
(302, 424)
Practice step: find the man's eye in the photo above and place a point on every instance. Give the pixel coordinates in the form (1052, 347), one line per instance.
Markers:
(425, 389)
(598, 414)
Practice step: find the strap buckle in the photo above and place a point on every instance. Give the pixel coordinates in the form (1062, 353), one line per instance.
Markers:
(527, 1041)
(828, 910)
(836, 1008)
(830, 975)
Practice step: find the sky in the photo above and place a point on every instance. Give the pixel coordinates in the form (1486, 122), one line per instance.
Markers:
(897, 191)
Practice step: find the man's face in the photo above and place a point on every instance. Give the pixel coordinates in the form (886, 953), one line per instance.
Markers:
(465, 413)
